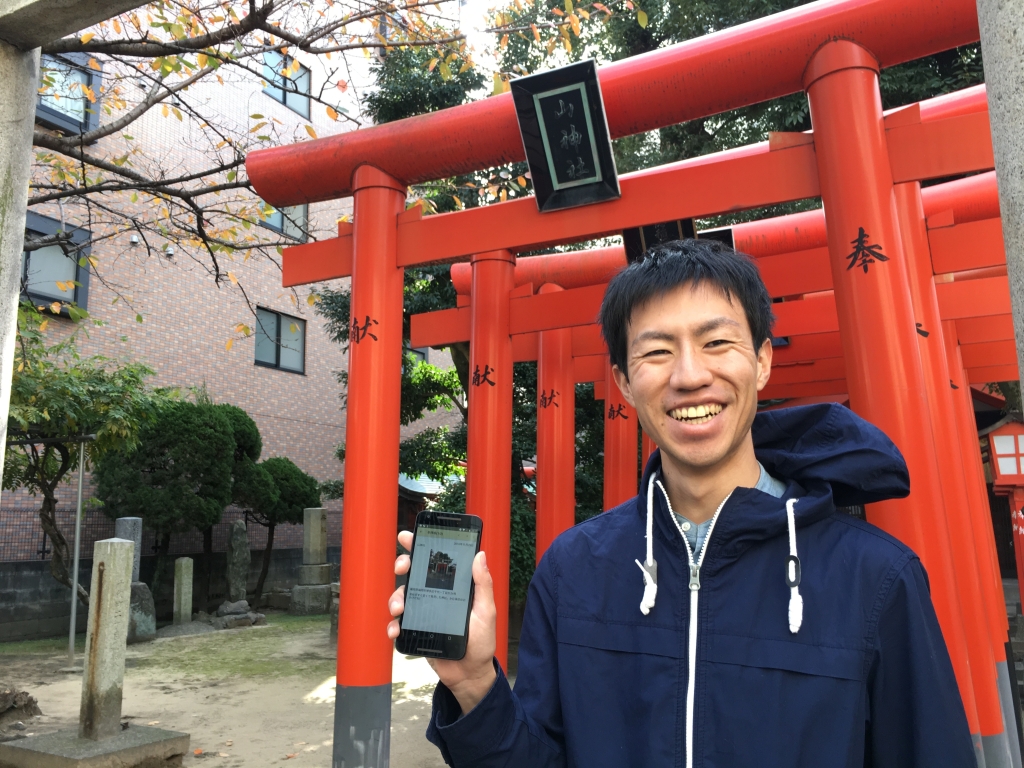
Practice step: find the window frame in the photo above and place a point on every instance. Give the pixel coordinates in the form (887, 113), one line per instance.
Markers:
(279, 92)
(276, 365)
(57, 120)
(43, 226)
(303, 235)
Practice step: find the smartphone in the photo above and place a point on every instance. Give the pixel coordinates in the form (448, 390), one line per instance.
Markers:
(439, 592)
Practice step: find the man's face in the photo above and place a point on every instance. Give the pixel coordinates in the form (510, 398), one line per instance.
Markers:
(694, 375)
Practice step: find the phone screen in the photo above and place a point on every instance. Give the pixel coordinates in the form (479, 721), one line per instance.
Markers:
(438, 591)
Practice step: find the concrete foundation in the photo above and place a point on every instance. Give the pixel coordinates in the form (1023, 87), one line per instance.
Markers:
(137, 747)
(310, 600)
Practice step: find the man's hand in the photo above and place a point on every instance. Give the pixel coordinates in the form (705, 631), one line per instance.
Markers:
(471, 677)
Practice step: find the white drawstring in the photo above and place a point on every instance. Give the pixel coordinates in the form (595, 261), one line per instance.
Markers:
(650, 567)
(796, 602)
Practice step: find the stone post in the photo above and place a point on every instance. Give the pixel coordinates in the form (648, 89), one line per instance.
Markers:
(1001, 23)
(239, 560)
(183, 590)
(103, 677)
(19, 73)
(130, 528)
(312, 595)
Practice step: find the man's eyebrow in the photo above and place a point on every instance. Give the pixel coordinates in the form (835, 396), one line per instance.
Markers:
(713, 325)
(652, 336)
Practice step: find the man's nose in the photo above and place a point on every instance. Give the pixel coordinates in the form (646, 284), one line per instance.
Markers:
(690, 370)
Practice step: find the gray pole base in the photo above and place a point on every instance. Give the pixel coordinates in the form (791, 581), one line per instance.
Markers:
(362, 726)
(1009, 711)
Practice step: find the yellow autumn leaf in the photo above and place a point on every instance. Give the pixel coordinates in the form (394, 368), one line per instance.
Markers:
(92, 261)
(93, 64)
(568, 6)
(504, 40)
(432, 64)
(311, 299)
(503, 195)
(536, 32)
(310, 131)
(584, 14)
(568, 45)
(458, 203)
(164, 110)
(574, 20)
(87, 37)
(521, 181)
(232, 278)
(202, 59)
(42, 325)
(229, 345)
(293, 328)
(641, 17)
(55, 307)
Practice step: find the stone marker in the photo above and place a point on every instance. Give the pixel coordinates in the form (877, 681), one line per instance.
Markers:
(130, 528)
(314, 536)
(239, 559)
(103, 676)
(183, 590)
(312, 595)
(141, 615)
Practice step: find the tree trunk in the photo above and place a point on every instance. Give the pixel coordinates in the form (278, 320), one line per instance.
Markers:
(266, 566)
(207, 569)
(160, 572)
(62, 559)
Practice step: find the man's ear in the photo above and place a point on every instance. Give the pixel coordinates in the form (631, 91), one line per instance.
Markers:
(623, 384)
(764, 363)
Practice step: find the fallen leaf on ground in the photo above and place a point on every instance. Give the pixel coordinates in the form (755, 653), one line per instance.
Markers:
(293, 754)
(223, 754)
(229, 743)
(197, 752)
(153, 722)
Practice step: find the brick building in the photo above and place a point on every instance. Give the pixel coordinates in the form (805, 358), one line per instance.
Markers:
(156, 295)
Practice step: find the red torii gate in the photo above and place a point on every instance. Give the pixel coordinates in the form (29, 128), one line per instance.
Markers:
(855, 160)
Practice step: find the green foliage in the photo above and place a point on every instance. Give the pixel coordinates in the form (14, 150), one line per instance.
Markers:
(296, 490)
(178, 477)
(407, 85)
(57, 394)
(248, 442)
(434, 452)
(589, 453)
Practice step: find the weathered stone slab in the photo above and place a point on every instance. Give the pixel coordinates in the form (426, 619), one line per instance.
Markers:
(130, 528)
(183, 590)
(139, 746)
(314, 536)
(310, 600)
(233, 609)
(239, 559)
(141, 615)
(103, 677)
(314, 574)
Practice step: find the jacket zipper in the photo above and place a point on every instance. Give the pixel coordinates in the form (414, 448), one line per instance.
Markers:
(691, 643)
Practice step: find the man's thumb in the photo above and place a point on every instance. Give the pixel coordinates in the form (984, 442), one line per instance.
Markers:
(482, 579)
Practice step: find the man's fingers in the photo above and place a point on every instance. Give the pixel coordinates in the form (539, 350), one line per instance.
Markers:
(484, 594)
(396, 603)
(405, 539)
(393, 629)
(402, 565)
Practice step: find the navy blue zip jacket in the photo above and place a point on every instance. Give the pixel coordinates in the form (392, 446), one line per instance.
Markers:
(864, 681)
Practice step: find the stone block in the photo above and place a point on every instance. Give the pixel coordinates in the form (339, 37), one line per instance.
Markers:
(279, 600)
(137, 747)
(310, 600)
(183, 590)
(239, 559)
(314, 536)
(314, 574)
(130, 528)
(141, 615)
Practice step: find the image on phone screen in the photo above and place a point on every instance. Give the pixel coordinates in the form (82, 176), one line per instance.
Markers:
(438, 592)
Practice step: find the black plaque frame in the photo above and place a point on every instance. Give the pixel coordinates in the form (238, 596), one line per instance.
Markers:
(593, 176)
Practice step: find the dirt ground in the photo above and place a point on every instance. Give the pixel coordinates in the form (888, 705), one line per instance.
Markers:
(258, 696)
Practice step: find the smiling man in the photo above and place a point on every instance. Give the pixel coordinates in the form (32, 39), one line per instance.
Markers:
(729, 616)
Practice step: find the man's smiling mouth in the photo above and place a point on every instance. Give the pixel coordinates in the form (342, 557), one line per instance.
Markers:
(696, 414)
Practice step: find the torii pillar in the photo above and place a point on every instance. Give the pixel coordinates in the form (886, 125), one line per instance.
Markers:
(876, 317)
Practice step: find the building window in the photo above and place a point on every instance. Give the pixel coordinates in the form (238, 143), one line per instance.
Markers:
(50, 274)
(280, 341)
(287, 81)
(291, 222)
(64, 94)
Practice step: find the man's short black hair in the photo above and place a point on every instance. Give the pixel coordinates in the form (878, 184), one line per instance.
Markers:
(667, 266)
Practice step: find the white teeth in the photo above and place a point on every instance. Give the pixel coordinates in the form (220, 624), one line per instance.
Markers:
(696, 414)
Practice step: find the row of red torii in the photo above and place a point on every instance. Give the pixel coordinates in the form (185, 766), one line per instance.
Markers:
(903, 343)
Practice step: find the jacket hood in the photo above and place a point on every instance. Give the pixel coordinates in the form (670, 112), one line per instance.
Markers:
(825, 444)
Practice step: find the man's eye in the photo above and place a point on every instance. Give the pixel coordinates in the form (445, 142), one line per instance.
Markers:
(717, 343)
(656, 352)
